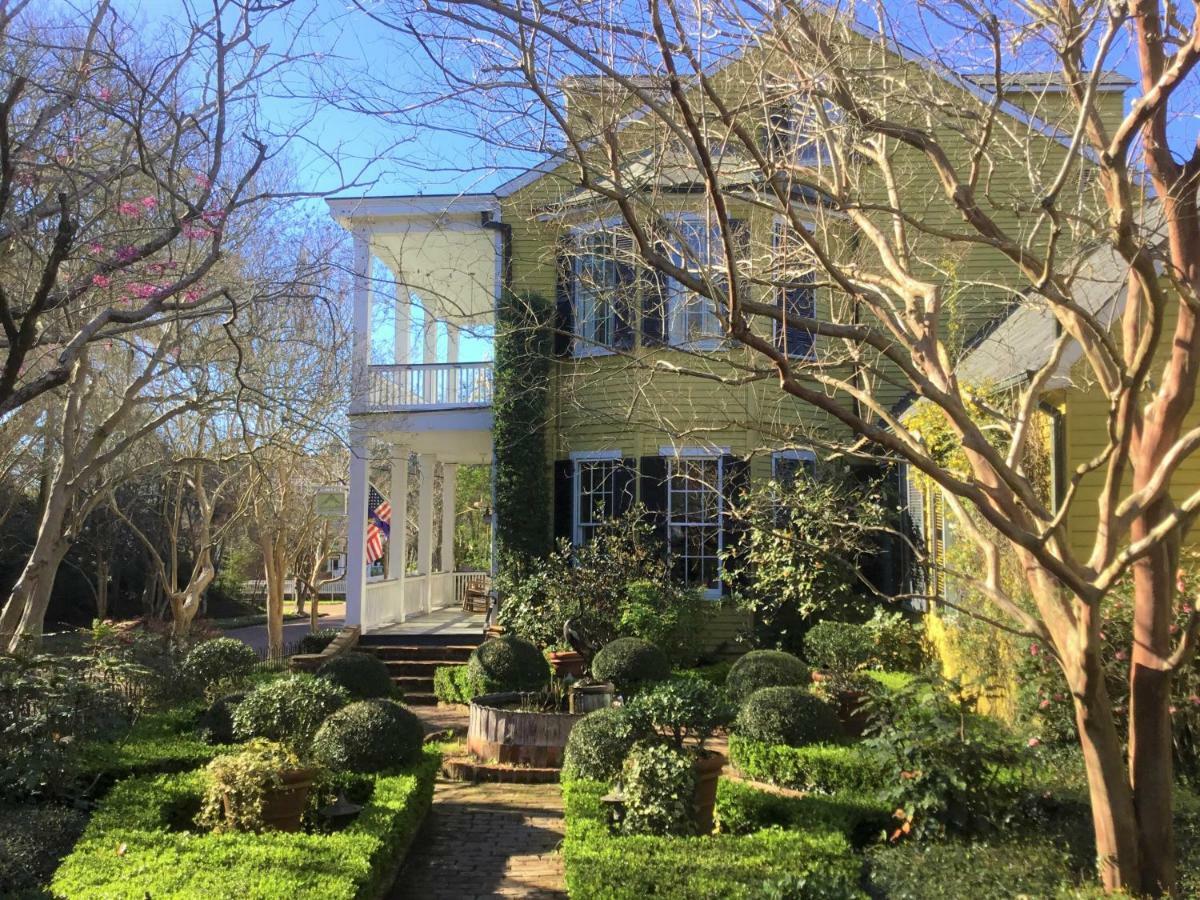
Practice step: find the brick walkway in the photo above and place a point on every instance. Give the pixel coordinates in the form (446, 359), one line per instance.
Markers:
(487, 840)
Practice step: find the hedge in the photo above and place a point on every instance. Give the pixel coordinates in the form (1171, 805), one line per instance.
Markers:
(743, 809)
(451, 684)
(603, 866)
(149, 818)
(825, 768)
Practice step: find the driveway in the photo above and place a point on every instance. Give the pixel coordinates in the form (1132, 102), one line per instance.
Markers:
(256, 635)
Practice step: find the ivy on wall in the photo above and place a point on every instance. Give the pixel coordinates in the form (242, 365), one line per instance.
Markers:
(519, 407)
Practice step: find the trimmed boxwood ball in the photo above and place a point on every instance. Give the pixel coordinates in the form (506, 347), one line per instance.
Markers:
(506, 663)
(288, 710)
(790, 716)
(368, 736)
(216, 722)
(765, 668)
(599, 743)
(219, 659)
(631, 664)
(363, 675)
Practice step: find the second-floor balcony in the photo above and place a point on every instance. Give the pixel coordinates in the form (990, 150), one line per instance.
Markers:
(419, 387)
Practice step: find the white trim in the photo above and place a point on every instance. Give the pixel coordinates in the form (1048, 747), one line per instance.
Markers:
(411, 204)
(595, 455)
(585, 456)
(695, 451)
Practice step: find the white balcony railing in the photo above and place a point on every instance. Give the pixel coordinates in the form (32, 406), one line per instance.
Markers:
(404, 388)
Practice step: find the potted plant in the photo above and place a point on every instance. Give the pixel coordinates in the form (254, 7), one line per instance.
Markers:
(261, 787)
(838, 651)
(566, 662)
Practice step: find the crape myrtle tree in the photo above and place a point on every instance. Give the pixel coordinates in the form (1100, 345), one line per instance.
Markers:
(914, 200)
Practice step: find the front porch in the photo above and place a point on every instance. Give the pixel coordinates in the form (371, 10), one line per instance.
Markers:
(449, 622)
(423, 604)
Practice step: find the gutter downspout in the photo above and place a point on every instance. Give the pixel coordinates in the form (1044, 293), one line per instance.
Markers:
(489, 222)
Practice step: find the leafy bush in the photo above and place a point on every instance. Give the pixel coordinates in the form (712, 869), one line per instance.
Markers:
(838, 646)
(664, 613)
(236, 785)
(33, 838)
(216, 724)
(659, 782)
(688, 710)
(765, 668)
(599, 743)
(897, 642)
(506, 663)
(362, 675)
(289, 710)
(788, 715)
(161, 860)
(317, 641)
(630, 664)
(822, 768)
(743, 809)
(368, 736)
(715, 674)
(452, 684)
(221, 661)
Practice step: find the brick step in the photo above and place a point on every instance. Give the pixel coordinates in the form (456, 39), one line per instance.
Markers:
(421, 667)
(445, 654)
(415, 684)
(422, 699)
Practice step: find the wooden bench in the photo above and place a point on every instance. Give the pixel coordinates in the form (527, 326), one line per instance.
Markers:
(345, 641)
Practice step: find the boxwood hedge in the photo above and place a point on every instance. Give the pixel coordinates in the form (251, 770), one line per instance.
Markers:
(824, 768)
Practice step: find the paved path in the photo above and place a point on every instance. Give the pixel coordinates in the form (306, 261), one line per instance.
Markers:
(256, 635)
(487, 840)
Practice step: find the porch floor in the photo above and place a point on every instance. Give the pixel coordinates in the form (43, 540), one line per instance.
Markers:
(439, 622)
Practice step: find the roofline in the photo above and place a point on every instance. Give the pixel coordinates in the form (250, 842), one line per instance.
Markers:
(400, 205)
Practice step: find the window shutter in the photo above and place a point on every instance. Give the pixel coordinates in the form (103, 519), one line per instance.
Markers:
(625, 475)
(652, 485)
(625, 294)
(735, 482)
(564, 297)
(564, 499)
(654, 304)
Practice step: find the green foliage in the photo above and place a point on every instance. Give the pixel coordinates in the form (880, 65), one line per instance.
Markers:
(803, 551)
(897, 642)
(821, 768)
(659, 782)
(316, 641)
(472, 534)
(452, 684)
(520, 395)
(216, 724)
(368, 736)
(219, 663)
(765, 668)
(791, 716)
(236, 785)
(838, 646)
(289, 710)
(164, 859)
(744, 809)
(506, 663)
(604, 866)
(630, 664)
(686, 710)
(33, 838)
(715, 674)
(944, 761)
(664, 613)
(363, 676)
(600, 741)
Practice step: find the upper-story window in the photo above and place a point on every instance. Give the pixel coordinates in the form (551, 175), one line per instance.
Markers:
(794, 133)
(796, 296)
(604, 286)
(696, 246)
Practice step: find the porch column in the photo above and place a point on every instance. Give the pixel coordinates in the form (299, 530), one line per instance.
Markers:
(398, 540)
(429, 340)
(453, 336)
(356, 537)
(360, 347)
(403, 339)
(425, 527)
(449, 514)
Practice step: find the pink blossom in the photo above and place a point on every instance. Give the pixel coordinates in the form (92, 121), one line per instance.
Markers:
(101, 281)
(149, 203)
(1174, 628)
(202, 180)
(127, 208)
(1180, 582)
(96, 247)
(1045, 704)
(1194, 700)
(127, 254)
(105, 94)
(1034, 649)
(191, 295)
(196, 232)
(1034, 742)
(1171, 709)
(142, 290)
(214, 216)
(1122, 655)
(1060, 697)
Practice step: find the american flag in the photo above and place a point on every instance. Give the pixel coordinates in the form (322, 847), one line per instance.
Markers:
(379, 523)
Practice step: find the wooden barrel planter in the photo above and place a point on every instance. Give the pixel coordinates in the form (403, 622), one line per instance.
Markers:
(517, 737)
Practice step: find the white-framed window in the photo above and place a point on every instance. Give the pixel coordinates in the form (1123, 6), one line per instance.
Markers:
(695, 245)
(796, 295)
(595, 495)
(696, 519)
(603, 279)
(788, 465)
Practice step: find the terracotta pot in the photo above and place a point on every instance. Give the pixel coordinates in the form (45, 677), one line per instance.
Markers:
(586, 698)
(704, 799)
(818, 677)
(283, 806)
(851, 712)
(567, 662)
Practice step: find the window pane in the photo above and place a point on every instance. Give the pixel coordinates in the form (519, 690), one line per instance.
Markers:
(694, 525)
(597, 498)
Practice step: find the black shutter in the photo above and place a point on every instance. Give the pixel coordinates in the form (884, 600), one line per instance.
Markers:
(564, 297)
(654, 304)
(652, 485)
(564, 499)
(625, 476)
(734, 485)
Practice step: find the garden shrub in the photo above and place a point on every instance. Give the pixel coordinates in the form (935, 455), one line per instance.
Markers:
(217, 662)
(791, 716)
(715, 674)
(897, 642)
(686, 710)
(506, 663)
(161, 859)
(600, 741)
(317, 641)
(216, 723)
(658, 782)
(666, 614)
(765, 668)
(33, 839)
(744, 809)
(838, 646)
(452, 684)
(368, 736)
(288, 710)
(630, 664)
(235, 786)
(823, 768)
(363, 676)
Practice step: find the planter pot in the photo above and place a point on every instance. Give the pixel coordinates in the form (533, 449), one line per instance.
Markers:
(283, 806)
(704, 799)
(585, 698)
(499, 733)
(568, 662)
(851, 712)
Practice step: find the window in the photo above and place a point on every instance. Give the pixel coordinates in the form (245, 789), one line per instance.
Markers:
(788, 465)
(603, 280)
(595, 496)
(695, 509)
(793, 133)
(696, 246)
(797, 296)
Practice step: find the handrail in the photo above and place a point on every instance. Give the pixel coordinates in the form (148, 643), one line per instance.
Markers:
(417, 386)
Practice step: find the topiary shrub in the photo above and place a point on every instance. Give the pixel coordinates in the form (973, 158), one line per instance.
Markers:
(600, 741)
(631, 664)
(686, 711)
(788, 715)
(451, 684)
(363, 676)
(838, 646)
(368, 736)
(658, 782)
(765, 668)
(288, 710)
(316, 641)
(221, 660)
(216, 722)
(507, 663)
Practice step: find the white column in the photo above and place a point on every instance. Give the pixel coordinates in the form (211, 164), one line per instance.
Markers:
(453, 334)
(356, 537)
(425, 536)
(449, 514)
(398, 542)
(403, 326)
(430, 355)
(361, 316)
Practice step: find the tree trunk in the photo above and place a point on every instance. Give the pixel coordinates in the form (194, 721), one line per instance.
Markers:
(102, 590)
(273, 569)
(314, 615)
(25, 611)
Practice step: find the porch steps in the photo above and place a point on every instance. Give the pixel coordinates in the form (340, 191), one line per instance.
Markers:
(412, 659)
